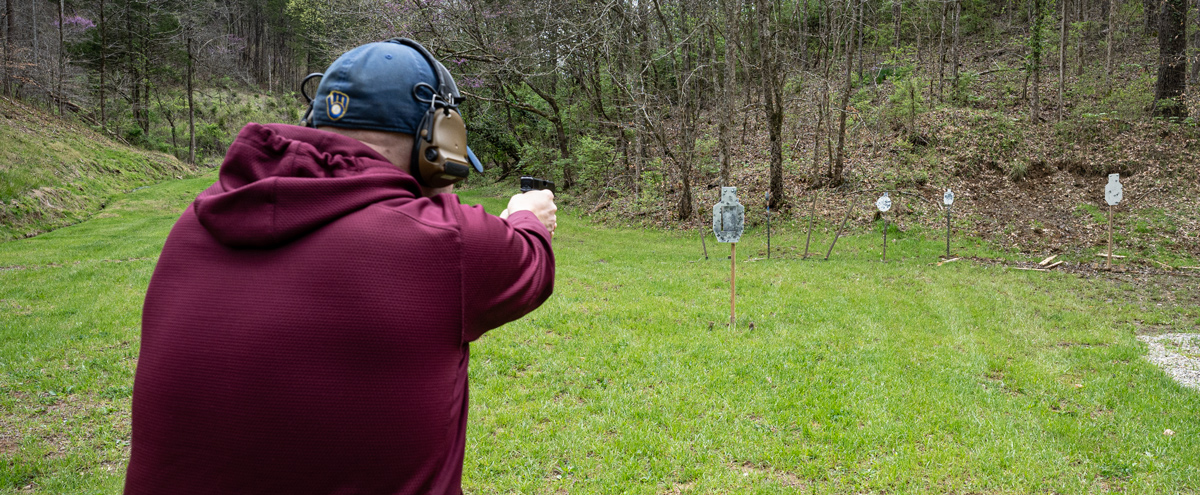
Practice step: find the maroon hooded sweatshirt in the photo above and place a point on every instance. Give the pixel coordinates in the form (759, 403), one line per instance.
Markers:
(306, 329)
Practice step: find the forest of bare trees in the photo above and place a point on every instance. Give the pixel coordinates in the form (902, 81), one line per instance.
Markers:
(610, 95)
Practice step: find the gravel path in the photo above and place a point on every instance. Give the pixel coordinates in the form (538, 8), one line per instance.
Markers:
(1178, 354)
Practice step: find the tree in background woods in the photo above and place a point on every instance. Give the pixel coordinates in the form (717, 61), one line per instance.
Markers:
(1172, 60)
(729, 30)
(1034, 63)
(8, 25)
(1151, 9)
(770, 41)
(854, 9)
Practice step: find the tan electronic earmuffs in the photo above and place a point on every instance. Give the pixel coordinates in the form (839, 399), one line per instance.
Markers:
(440, 142)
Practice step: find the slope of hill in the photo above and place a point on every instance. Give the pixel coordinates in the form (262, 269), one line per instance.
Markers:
(54, 172)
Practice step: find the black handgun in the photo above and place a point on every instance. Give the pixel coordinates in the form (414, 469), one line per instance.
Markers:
(532, 183)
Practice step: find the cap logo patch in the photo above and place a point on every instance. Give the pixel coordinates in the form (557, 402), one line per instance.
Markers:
(335, 105)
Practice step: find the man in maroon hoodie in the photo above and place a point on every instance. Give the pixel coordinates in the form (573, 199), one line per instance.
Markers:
(307, 327)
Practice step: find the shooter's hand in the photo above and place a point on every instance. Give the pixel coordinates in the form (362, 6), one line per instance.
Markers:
(540, 202)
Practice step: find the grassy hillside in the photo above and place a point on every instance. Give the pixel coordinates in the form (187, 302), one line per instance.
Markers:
(55, 173)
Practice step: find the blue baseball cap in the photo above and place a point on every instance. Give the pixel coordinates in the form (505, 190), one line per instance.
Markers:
(375, 86)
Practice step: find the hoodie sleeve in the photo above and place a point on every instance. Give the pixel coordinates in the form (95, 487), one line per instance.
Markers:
(508, 268)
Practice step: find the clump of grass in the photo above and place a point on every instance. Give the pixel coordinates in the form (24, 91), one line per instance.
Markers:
(1017, 169)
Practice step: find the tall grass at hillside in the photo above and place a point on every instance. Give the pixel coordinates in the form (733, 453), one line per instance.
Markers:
(56, 172)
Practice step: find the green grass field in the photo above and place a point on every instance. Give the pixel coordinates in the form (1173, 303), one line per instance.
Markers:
(847, 376)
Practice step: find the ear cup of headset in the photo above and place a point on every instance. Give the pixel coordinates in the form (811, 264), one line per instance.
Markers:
(440, 151)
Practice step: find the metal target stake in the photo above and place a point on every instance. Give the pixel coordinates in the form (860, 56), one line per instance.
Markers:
(729, 221)
(768, 196)
(812, 212)
(1113, 195)
(884, 203)
(948, 199)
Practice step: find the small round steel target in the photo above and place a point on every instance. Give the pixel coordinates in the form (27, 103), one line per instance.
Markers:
(884, 203)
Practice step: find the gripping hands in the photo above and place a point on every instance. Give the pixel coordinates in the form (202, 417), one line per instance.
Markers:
(540, 202)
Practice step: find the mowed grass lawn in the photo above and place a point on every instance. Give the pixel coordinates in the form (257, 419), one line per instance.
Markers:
(847, 376)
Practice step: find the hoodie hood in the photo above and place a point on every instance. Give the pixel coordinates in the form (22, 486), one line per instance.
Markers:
(280, 182)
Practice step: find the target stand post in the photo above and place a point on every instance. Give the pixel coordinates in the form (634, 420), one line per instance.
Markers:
(948, 199)
(733, 285)
(1113, 194)
(884, 203)
(729, 221)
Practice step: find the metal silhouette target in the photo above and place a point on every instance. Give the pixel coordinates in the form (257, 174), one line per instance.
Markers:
(1113, 193)
(729, 216)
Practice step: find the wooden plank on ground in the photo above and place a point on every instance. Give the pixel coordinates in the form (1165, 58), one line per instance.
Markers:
(1051, 267)
(1105, 255)
(940, 263)
(1047, 260)
(1029, 269)
(1159, 263)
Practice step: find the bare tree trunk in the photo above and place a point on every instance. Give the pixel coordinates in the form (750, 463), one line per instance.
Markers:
(643, 54)
(1079, 62)
(917, 29)
(1151, 9)
(804, 41)
(727, 89)
(103, 68)
(1112, 26)
(169, 115)
(839, 161)
(773, 78)
(825, 104)
(62, 66)
(1035, 57)
(267, 55)
(135, 97)
(957, 42)
(1194, 77)
(1172, 60)
(638, 165)
(687, 143)
(191, 107)
(816, 168)
(862, 16)
(1062, 57)
(34, 22)
(941, 62)
(9, 14)
(897, 11)
(146, 46)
